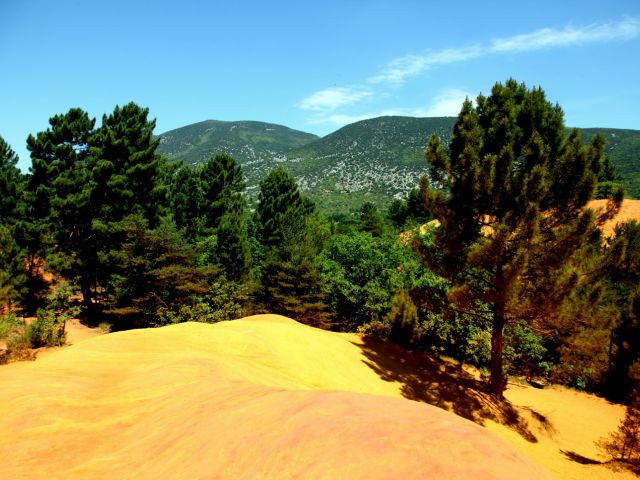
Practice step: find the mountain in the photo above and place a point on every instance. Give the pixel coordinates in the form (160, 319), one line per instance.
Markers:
(371, 160)
(623, 148)
(257, 146)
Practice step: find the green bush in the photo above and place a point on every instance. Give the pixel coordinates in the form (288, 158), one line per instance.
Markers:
(47, 330)
(10, 325)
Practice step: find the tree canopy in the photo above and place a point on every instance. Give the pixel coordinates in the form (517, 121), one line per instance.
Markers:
(509, 194)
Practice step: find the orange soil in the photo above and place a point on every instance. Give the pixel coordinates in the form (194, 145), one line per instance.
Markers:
(630, 210)
(263, 397)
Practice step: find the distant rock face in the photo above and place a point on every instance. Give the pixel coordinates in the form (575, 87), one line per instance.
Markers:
(254, 398)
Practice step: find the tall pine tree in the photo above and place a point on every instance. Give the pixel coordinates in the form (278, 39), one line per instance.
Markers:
(58, 196)
(12, 275)
(509, 194)
(291, 282)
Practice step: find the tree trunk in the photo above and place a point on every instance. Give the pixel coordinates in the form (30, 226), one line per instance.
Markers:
(496, 382)
(87, 299)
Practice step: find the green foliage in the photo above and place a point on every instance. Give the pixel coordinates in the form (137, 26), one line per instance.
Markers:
(370, 220)
(361, 274)
(59, 194)
(207, 205)
(508, 194)
(11, 183)
(402, 319)
(525, 352)
(281, 209)
(409, 211)
(222, 185)
(291, 281)
(13, 280)
(186, 200)
(127, 168)
(47, 330)
(224, 301)
(623, 276)
(155, 274)
(10, 325)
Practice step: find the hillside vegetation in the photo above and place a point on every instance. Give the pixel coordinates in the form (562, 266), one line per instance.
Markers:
(258, 146)
(372, 160)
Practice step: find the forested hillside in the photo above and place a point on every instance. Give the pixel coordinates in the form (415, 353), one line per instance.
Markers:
(257, 146)
(373, 160)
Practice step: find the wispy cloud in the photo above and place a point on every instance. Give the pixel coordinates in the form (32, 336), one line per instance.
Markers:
(569, 36)
(448, 103)
(330, 99)
(397, 70)
(445, 104)
(400, 69)
(328, 105)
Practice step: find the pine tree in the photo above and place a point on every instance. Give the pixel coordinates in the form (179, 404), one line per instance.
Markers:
(12, 275)
(281, 209)
(233, 250)
(11, 183)
(509, 194)
(126, 176)
(292, 284)
(370, 220)
(623, 275)
(58, 197)
(186, 201)
(222, 186)
(155, 273)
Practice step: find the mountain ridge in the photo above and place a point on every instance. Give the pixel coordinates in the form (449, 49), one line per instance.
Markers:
(375, 159)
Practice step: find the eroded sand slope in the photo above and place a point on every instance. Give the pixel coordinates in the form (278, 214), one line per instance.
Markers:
(263, 397)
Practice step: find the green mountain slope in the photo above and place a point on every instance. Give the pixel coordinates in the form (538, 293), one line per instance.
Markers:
(371, 160)
(623, 148)
(257, 146)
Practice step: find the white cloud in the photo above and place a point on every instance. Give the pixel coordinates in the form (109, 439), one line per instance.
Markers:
(448, 103)
(549, 38)
(330, 99)
(399, 69)
(327, 105)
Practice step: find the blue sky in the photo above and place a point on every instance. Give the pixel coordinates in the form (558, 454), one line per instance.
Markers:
(313, 66)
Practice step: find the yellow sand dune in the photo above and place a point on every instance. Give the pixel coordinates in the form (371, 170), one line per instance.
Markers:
(263, 397)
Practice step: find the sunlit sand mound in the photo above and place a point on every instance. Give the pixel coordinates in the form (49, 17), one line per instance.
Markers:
(263, 397)
(629, 210)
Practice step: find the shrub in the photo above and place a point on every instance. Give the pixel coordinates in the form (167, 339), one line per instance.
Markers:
(47, 330)
(10, 325)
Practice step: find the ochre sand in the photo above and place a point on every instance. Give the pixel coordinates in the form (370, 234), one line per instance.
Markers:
(266, 397)
(629, 210)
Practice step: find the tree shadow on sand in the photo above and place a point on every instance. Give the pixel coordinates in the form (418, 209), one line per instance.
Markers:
(444, 385)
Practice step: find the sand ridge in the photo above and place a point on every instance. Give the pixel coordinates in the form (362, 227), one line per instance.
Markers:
(263, 397)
